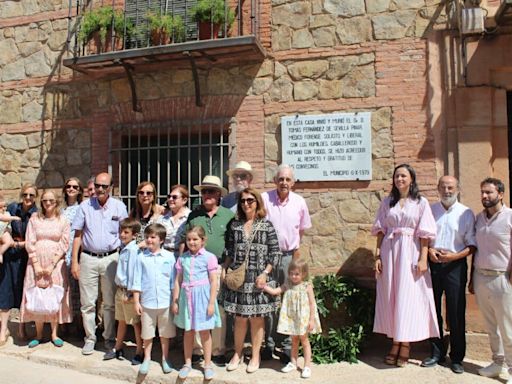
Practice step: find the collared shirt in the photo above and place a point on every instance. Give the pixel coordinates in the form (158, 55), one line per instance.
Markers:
(100, 224)
(174, 230)
(288, 217)
(215, 228)
(455, 227)
(126, 264)
(230, 201)
(153, 277)
(493, 238)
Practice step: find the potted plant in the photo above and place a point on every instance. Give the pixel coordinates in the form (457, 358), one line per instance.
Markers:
(97, 27)
(165, 29)
(211, 15)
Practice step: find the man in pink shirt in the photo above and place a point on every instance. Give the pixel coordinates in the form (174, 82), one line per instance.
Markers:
(289, 215)
(491, 276)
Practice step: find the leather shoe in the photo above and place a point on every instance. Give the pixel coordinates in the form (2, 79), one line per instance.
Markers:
(432, 361)
(457, 367)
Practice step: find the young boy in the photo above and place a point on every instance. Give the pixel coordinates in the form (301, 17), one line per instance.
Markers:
(152, 281)
(124, 306)
(5, 220)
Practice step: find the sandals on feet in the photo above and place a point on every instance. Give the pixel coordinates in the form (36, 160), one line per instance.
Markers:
(403, 356)
(391, 358)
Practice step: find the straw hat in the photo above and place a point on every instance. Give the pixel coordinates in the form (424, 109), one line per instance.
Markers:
(211, 182)
(241, 166)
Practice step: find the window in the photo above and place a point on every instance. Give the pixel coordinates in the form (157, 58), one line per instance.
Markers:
(168, 153)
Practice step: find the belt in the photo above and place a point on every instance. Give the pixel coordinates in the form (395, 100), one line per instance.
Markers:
(490, 272)
(101, 254)
(288, 253)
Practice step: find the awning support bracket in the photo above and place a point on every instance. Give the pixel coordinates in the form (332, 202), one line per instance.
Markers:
(129, 69)
(196, 77)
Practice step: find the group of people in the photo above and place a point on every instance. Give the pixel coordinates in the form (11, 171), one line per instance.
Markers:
(422, 253)
(163, 268)
(234, 263)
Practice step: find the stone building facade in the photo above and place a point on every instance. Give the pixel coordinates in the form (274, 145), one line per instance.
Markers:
(399, 59)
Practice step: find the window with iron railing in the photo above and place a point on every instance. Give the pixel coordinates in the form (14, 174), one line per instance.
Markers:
(166, 154)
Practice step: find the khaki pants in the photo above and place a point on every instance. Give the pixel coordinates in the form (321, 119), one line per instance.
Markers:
(94, 272)
(494, 298)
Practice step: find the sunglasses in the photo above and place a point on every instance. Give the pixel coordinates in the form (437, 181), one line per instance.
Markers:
(146, 193)
(249, 201)
(28, 195)
(208, 191)
(104, 186)
(49, 201)
(75, 187)
(241, 176)
(173, 197)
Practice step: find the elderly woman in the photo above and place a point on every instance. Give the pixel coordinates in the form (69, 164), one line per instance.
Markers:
(47, 241)
(252, 244)
(404, 309)
(175, 217)
(146, 210)
(12, 270)
(73, 193)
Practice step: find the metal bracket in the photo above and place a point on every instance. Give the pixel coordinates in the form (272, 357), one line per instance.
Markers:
(129, 69)
(196, 78)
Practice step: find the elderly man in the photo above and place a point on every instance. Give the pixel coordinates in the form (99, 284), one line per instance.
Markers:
(491, 276)
(215, 220)
(455, 241)
(241, 178)
(289, 214)
(96, 226)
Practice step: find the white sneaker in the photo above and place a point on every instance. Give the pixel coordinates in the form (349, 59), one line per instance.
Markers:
(306, 373)
(288, 368)
(492, 370)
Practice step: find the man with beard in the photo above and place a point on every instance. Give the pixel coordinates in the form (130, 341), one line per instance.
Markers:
(241, 178)
(491, 276)
(454, 242)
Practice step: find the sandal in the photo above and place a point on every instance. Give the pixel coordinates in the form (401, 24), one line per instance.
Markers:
(403, 358)
(391, 358)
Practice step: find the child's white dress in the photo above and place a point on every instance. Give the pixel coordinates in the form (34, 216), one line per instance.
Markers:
(294, 315)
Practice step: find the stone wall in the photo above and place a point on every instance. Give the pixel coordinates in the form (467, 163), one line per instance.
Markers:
(326, 56)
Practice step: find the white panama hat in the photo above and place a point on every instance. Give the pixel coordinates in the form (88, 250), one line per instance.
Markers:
(211, 182)
(241, 166)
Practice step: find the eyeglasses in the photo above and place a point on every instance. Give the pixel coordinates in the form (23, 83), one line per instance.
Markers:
(241, 176)
(249, 201)
(75, 187)
(208, 191)
(146, 193)
(173, 197)
(49, 201)
(28, 195)
(104, 186)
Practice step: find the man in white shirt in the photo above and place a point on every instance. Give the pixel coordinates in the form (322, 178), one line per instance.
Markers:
(454, 242)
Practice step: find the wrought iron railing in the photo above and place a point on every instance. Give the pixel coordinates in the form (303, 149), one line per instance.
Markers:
(112, 25)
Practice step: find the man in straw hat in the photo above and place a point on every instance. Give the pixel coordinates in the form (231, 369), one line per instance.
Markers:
(241, 178)
(215, 221)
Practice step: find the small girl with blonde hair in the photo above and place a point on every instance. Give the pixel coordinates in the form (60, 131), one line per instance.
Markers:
(298, 316)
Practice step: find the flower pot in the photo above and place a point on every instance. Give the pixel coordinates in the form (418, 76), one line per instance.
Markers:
(95, 45)
(205, 30)
(160, 38)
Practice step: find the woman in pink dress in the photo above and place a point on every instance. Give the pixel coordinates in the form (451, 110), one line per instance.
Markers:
(404, 309)
(47, 240)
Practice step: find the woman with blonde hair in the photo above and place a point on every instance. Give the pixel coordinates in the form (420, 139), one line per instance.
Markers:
(146, 210)
(47, 241)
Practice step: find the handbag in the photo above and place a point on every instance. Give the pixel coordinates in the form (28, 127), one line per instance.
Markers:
(235, 278)
(44, 301)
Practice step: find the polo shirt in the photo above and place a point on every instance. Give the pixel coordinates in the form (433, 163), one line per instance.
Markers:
(455, 227)
(493, 237)
(100, 224)
(215, 228)
(153, 277)
(288, 218)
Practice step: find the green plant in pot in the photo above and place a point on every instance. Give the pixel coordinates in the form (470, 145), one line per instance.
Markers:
(212, 15)
(97, 26)
(165, 28)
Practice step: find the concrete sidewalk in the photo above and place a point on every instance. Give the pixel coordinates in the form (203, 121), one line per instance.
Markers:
(370, 369)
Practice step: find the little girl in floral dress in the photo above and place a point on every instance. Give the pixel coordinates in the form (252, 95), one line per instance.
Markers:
(299, 315)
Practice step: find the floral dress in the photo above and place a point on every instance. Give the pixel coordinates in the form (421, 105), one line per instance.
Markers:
(294, 315)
